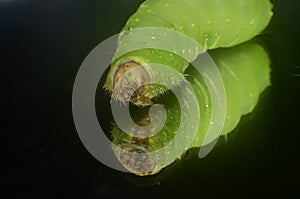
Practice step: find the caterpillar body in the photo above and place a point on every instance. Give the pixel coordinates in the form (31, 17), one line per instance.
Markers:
(224, 25)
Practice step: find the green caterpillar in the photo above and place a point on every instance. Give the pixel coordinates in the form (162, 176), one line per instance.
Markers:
(244, 69)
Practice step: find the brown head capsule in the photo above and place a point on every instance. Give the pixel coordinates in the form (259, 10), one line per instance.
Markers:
(130, 83)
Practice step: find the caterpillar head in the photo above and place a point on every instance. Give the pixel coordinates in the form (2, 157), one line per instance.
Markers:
(130, 83)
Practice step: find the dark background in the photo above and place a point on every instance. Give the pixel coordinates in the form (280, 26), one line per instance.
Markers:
(43, 44)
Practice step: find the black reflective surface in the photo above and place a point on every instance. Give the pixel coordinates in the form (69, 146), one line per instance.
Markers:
(43, 44)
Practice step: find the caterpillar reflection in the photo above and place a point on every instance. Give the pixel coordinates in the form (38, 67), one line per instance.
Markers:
(224, 25)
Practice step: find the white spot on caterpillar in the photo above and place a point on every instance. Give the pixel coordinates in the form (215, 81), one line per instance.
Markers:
(208, 22)
(227, 20)
(193, 25)
(166, 4)
(180, 28)
(154, 36)
(149, 10)
(206, 39)
(137, 19)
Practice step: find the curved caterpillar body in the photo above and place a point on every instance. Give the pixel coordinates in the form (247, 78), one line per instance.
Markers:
(212, 24)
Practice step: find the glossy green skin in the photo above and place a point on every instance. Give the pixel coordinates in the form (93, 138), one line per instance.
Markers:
(212, 23)
(245, 72)
(224, 23)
